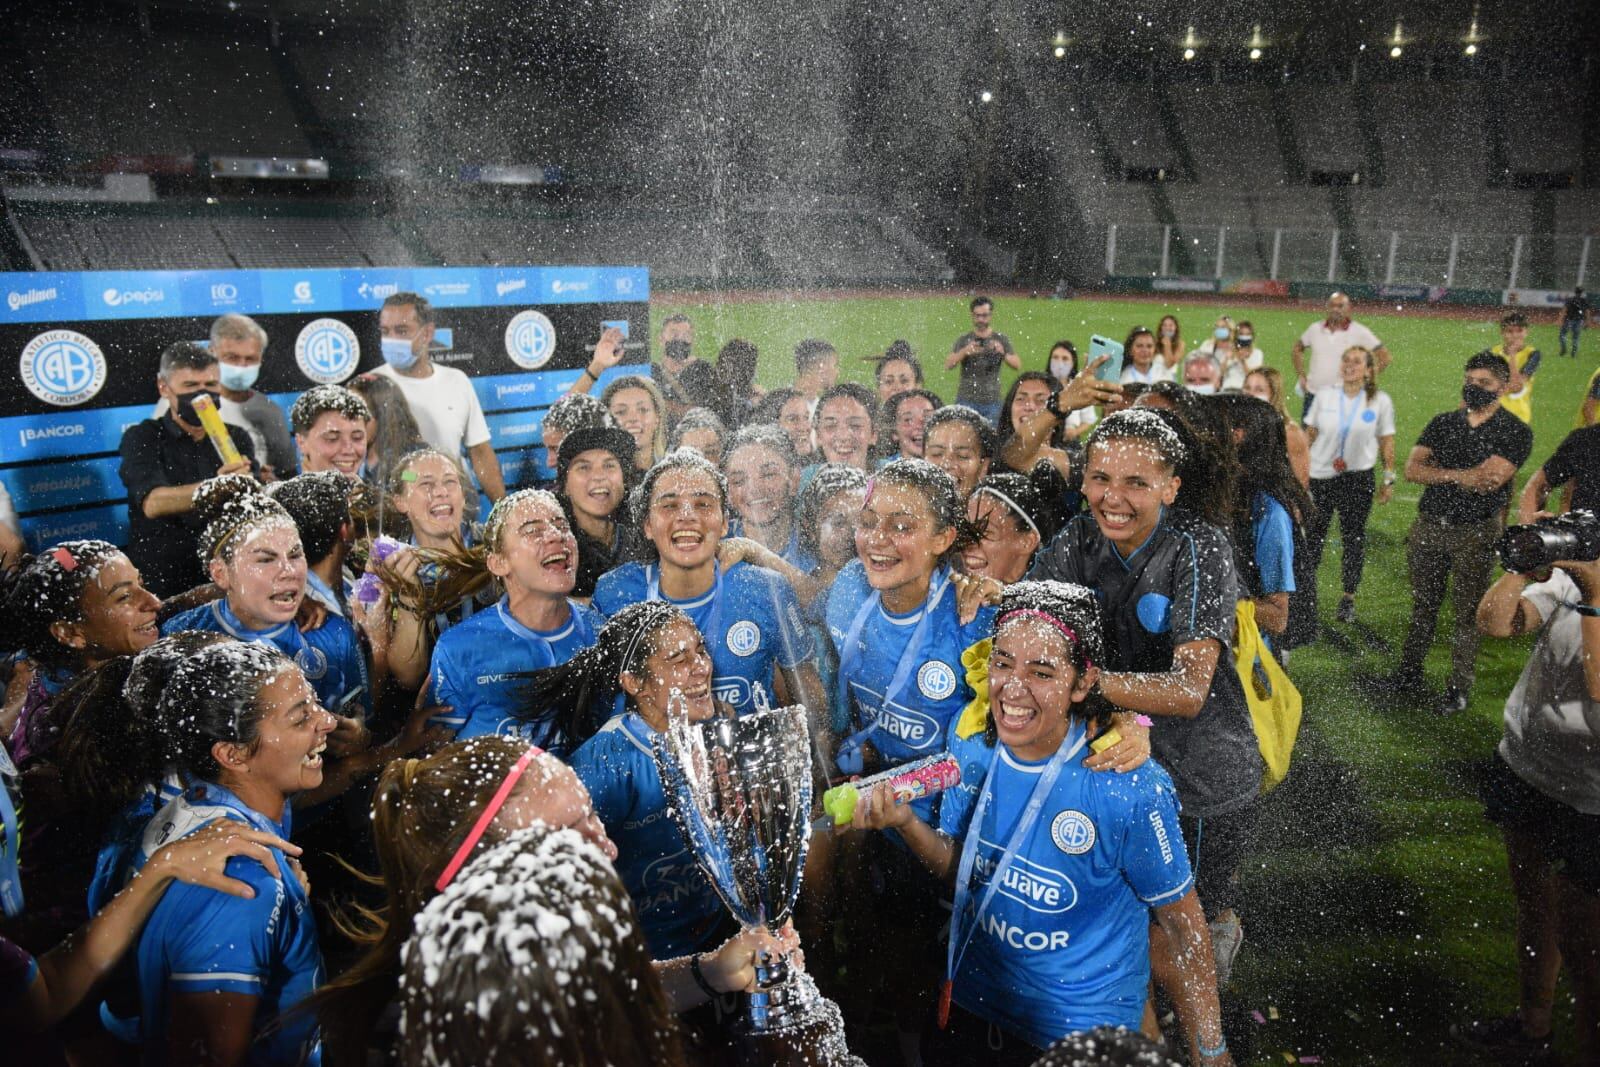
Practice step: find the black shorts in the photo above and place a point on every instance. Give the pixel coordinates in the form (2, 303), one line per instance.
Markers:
(1217, 846)
(1570, 838)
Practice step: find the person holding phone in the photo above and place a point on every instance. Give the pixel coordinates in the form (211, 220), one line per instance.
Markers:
(979, 353)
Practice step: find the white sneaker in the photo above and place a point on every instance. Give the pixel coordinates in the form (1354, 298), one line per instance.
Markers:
(1226, 937)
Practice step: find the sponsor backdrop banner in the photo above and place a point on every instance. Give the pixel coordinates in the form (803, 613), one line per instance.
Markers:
(82, 349)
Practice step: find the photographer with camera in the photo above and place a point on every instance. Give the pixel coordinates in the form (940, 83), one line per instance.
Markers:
(979, 353)
(1543, 787)
(1466, 459)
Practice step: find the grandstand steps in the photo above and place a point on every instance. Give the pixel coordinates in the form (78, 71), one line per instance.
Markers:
(1174, 131)
(1283, 129)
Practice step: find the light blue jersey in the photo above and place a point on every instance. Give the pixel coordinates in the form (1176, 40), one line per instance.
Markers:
(1063, 945)
(200, 940)
(677, 907)
(913, 721)
(750, 619)
(330, 656)
(481, 669)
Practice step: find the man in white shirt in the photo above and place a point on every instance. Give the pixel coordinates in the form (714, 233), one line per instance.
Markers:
(1327, 341)
(441, 398)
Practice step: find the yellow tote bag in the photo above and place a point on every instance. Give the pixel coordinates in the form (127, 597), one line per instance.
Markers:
(1273, 699)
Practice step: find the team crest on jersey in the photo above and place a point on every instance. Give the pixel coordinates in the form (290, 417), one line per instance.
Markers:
(743, 638)
(936, 680)
(1072, 832)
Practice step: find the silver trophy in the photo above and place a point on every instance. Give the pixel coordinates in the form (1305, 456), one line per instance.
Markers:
(739, 789)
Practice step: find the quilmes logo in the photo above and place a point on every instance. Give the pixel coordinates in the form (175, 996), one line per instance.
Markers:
(510, 285)
(327, 351)
(302, 293)
(63, 367)
(530, 339)
(115, 297)
(558, 287)
(18, 300)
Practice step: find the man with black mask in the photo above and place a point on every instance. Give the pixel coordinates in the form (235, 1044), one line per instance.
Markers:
(677, 352)
(1466, 460)
(163, 460)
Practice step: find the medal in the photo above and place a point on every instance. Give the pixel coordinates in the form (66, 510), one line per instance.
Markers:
(1338, 465)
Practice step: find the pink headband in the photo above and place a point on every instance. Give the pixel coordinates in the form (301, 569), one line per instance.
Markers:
(490, 810)
(64, 557)
(1070, 634)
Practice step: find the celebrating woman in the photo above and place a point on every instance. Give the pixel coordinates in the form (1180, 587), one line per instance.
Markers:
(1097, 855)
(1350, 429)
(960, 442)
(636, 404)
(763, 473)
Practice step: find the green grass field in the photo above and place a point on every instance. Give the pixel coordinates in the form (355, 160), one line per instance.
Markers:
(1379, 906)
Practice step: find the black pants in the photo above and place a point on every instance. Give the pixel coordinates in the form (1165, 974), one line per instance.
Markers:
(1349, 494)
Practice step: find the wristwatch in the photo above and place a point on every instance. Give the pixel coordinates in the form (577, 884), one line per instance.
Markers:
(1053, 405)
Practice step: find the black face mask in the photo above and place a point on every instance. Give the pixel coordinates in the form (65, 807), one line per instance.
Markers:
(1477, 397)
(677, 351)
(186, 410)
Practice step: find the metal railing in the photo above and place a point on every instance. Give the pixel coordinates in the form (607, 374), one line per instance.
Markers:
(1373, 255)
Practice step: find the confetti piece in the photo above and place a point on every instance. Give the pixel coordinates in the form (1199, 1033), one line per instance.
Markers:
(1288, 1057)
(408, 476)
(1272, 1013)
(1310, 1059)
(64, 558)
(1261, 1020)
(1354, 1016)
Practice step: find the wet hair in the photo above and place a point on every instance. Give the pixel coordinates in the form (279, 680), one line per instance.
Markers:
(1141, 424)
(810, 352)
(771, 406)
(319, 504)
(577, 411)
(397, 476)
(415, 301)
(1105, 1046)
(982, 428)
(829, 481)
(676, 319)
(762, 436)
(1037, 498)
(48, 588)
(701, 386)
(229, 507)
(899, 352)
(534, 954)
(494, 527)
(608, 438)
(1492, 363)
(1208, 466)
(185, 355)
(111, 747)
(891, 407)
(1204, 357)
(1514, 318)
(1067, 606)
(1006, 428)
(943, 496)
(633, 381)
(642, 499)
(697, 419)
(422, 811)
(851, 390)
(736, 365)
(576, 696)
(395, 431)
(315, 402)
(213, 696)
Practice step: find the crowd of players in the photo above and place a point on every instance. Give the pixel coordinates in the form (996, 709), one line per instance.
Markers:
(318, 659)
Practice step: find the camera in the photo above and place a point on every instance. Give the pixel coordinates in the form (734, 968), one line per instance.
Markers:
(1574, 536)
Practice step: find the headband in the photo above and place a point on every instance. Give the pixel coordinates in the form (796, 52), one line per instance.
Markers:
(65, 558)
(1068, 631)
(486, 817)
(1014, 506)
(633, 642)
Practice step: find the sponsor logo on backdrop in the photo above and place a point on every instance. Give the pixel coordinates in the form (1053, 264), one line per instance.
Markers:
(50, 433)
(510, 285)
(18, 300)
(63, 367)
(447, 289)
(530, 339)
(382, 291)
(302, 293)
(558, 287)
(516, 389)
(224, 293)
(327, 351)
(625, 284)
(115, 297)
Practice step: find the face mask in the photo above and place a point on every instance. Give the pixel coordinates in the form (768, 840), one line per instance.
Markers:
(238, 379)
(677, 351)
(1169, 331)
(186, 410)
(1061, 369)
(1204, 390)
(1477, 397)
(1220, 333)
(397, 352)
(1246, 341)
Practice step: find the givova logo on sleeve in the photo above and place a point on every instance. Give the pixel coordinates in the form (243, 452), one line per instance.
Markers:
(63, 367)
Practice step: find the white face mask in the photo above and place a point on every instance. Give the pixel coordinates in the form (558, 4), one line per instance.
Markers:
(1204, 389)
(1061, 369)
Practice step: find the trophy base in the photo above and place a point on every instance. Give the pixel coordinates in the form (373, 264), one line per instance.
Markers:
(803, 1029)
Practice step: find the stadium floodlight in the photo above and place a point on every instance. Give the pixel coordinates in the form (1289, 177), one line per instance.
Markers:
(1060, 52)
(1258, 43)
(1397, 41)
(1473, 37)
(986, 97)
(1191, 44)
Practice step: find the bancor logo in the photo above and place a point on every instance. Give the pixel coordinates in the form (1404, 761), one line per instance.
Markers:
(62, 367)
